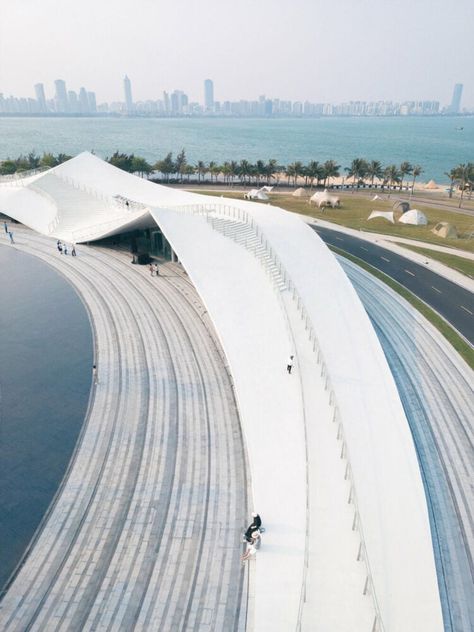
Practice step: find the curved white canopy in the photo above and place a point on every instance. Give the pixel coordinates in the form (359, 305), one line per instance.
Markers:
(271, 287)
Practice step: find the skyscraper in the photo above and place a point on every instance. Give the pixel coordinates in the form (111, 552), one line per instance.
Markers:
(40, 97)
(455, 106)
(60, 96)
(127, 87)
(83, 101)
(209, 95)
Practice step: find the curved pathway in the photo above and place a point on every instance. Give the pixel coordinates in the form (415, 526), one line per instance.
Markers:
(436, 390)
(145, 530)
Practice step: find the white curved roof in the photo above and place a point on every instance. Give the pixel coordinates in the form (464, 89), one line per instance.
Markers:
(272, 287)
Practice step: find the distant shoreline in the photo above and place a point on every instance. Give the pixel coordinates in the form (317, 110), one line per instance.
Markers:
(117, 115)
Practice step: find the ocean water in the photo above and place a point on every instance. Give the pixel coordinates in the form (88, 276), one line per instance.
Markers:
(45, 379)
(434, 143)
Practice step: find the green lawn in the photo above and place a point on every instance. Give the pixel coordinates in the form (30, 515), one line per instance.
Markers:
(356, 208)
(461, 264)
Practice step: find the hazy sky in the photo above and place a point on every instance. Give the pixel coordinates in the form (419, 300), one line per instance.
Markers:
(320, 50)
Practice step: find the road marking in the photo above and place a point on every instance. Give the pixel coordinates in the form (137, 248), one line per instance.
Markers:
(409, 272)
(385, 259)
(339, 239)
(436, 289)
(466, 310)
(364, 248)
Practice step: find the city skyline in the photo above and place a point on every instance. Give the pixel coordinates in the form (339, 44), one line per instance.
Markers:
(309, 50)
(178, 103)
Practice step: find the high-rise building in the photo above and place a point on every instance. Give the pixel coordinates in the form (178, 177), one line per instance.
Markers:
(40, 97)
(127, 87)
(83, 101)
(60, 97)
(209, 95)
(455, 106)
(73, 102)
(92, 102)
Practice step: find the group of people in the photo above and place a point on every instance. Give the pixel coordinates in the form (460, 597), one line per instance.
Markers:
(62, 248)
(154, 269)
(8, 233)
(252, 537)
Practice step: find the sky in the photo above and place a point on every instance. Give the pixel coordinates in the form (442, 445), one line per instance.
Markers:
(316, 50)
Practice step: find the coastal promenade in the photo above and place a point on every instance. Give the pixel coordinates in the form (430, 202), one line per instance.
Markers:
(435, 385)
(145, 531)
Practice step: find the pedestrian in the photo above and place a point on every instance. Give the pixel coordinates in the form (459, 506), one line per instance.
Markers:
(59, 247)
(10, 234)
(65, 249)
(5, 226)
(73, 251)
(156, 270)
(250, 550)
(253, 528)
(94, 374)
(152, 269)
(289, 366)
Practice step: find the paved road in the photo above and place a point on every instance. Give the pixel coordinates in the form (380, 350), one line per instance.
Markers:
(145, 533)
(435, 388)
(454, 303)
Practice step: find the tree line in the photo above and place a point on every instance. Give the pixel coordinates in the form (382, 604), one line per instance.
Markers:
(314, 173)
(31, 161)
(361, 172)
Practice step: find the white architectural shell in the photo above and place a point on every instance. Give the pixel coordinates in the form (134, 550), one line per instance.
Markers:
(272, 287)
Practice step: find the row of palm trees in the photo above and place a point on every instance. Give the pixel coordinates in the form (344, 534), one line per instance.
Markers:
(360, 172)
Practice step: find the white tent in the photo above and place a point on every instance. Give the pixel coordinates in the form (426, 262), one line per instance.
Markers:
(445, 230)
(258, 194)
(300, 192)
(325, 199)
(388, 215)
(414, 217)
(431, 185)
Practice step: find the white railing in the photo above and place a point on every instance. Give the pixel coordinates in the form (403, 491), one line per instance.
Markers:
(114, 202)
(17, 178)
(95, 231)
(262, 250)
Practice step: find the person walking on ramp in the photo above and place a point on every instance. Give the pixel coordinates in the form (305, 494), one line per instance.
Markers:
(289, 366)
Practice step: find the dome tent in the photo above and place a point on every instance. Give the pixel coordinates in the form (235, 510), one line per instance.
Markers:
(415, 217)
(445, 230)
(431, 185)
(300, 192)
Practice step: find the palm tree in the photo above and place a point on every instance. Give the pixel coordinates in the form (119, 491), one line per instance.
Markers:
(290, 172)
(452, 175)
(215, 170)
(463, 177)
(245, 169)
(201, 170)
(330, 170)
(391, 175)
(417, 171)
(374, 170)
(357, 170)
(211, 168)
(226, 171)
(298, 170)
(270, 169)
(233, 170)
(313, 170)
(405, 170)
